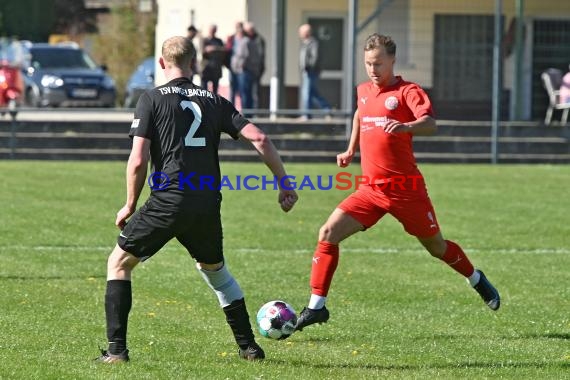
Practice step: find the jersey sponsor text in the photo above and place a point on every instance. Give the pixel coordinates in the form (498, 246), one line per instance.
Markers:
(189, 92)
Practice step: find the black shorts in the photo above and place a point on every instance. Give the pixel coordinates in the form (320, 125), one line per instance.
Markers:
(196, 223)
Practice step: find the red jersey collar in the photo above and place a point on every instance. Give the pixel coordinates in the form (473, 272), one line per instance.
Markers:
(398, 81)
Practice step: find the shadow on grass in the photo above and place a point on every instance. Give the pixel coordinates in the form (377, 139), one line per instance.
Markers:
(553, 335)
(413, 367)
(563, 336)
(314, 339)
(54, 277)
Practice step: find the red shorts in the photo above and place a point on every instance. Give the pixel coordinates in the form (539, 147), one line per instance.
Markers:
(369, 203)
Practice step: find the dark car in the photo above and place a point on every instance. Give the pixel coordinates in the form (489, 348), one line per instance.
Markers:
(64, 75)
(142, 79)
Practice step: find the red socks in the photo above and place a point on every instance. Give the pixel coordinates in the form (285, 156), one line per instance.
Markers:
(455, 258)
(325, 261)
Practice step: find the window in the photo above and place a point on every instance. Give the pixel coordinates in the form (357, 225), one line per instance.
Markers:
(463, 57)
(61, 58)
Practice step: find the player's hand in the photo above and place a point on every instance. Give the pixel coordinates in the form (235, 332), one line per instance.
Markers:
(287, 199)
(344, 159)
(122, 217)
(394, 126)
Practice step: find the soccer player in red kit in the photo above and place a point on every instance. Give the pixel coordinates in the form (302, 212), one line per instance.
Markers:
(390, 112)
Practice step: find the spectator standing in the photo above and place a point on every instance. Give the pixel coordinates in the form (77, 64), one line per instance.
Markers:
(231, 47)
(309, 62)
(259, 43)
(213, 52)
(246, 63)
(191, 33)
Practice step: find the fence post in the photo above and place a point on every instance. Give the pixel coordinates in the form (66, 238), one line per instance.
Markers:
(497, 81)
(352, 32)
(13, 111)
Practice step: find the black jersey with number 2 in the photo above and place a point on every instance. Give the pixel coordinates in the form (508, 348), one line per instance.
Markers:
(184, 123)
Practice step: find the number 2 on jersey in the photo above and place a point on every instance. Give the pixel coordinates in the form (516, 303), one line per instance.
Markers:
(190, 140)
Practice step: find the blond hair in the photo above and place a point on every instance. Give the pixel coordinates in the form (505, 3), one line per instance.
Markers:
(375, 41)
(178, 51)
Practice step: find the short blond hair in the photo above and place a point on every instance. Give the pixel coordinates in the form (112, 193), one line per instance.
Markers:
(376, 41)
(178, 51)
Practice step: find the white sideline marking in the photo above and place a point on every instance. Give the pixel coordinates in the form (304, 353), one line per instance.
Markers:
(539, 251)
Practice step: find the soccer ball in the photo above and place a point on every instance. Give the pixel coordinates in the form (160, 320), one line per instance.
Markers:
(276, 320)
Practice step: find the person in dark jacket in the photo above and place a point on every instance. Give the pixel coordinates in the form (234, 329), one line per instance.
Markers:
(213, 53)
(310, 71)
(247, 64)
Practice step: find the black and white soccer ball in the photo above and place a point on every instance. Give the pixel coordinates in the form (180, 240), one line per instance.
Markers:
(276, 320)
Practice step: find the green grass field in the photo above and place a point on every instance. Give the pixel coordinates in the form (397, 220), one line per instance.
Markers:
(395, 311)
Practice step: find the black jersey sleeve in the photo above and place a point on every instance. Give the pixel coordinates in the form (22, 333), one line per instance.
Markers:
(233, 120)
(143, 121)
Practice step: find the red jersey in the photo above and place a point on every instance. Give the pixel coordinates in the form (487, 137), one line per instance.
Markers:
(384, 155)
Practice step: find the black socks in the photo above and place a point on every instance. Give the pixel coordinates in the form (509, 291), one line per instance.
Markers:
(118, 301)
(238, 319)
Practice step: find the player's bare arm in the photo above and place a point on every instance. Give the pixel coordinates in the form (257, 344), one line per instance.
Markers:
(136, 176)
(424, 126)
(344, 159)
(271, 158)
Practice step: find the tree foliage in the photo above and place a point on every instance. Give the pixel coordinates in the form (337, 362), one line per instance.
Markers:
(72, 18)
(120, 39)
(125, 38)
(35, 20)
(27, 19)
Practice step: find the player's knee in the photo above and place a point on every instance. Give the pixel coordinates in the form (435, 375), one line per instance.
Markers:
(326, 232)
(210, 267)
(331, 232)
(121, 261)
(222, 283)
(436, 248)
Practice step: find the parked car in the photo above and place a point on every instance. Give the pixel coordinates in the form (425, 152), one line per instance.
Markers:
(11, 81)
(65, 75)
(141, 79)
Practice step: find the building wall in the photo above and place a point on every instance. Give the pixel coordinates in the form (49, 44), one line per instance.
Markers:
(174, 17)
(410, 22)
(422, 14)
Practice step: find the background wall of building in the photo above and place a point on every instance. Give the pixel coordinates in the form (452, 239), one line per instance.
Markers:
(414, 24)
(174, 17)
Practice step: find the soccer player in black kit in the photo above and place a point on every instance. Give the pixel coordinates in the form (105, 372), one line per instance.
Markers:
(178, 126)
